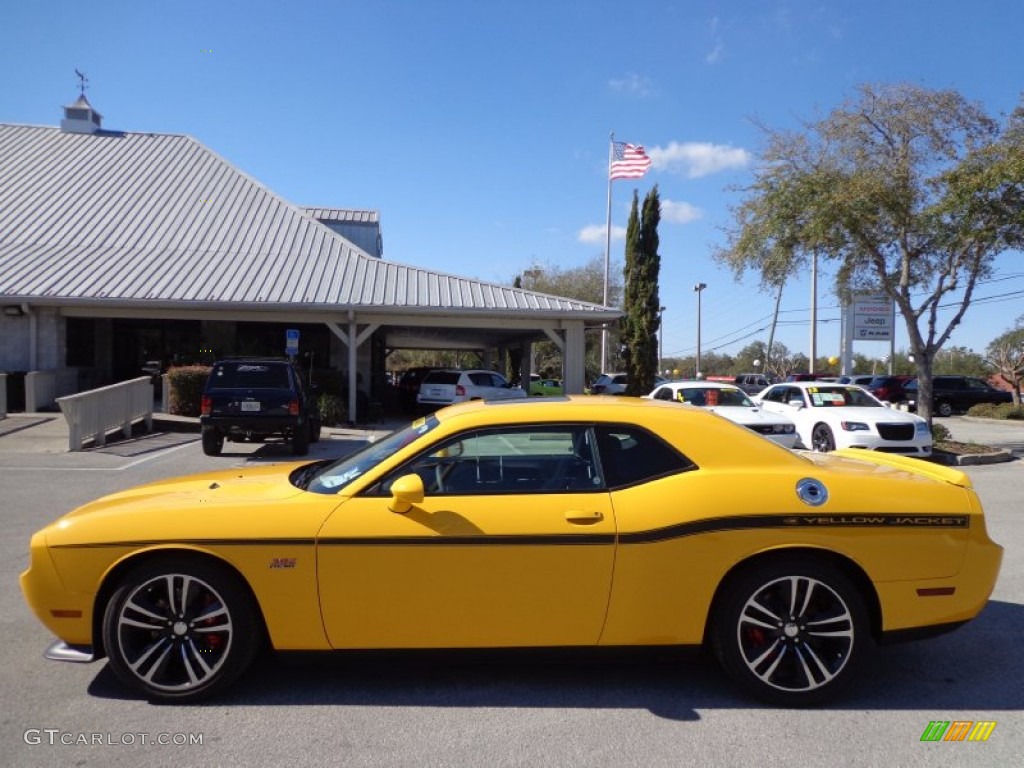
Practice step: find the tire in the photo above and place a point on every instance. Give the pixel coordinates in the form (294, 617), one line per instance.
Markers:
(822, 440)
(944, 409)
(300, 441)
(784, 656)
(213, 442)
(314, 431)
(180, 630)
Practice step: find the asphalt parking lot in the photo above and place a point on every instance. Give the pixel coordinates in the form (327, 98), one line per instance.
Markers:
(502, 711)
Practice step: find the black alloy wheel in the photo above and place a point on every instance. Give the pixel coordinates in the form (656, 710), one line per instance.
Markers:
(822, 440)
(791, 633)
(180, 630)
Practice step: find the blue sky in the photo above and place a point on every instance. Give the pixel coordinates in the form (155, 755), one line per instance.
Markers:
(480, 129)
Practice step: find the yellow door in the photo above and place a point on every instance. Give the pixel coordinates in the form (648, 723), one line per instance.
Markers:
(512, 545)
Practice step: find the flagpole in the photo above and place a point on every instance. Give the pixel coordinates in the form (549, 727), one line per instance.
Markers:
(607, 252)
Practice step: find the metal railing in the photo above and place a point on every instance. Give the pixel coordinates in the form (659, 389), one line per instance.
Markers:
(90, 415)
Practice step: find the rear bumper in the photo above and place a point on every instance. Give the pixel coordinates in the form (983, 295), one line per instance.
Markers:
(257, 425)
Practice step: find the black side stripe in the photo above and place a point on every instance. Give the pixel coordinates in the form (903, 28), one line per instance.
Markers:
(695, 528)
(306, 541)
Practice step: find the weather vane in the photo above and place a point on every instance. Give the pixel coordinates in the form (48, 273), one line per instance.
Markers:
(82, 80)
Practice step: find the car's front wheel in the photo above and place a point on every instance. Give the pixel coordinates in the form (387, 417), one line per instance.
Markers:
(180, 630)
(791, 632)
(822, 439)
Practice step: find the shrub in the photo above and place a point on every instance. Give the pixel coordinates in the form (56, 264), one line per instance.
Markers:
(187, 383)
(983, 411)
(332, 410)
(993, 411)
(940, 433)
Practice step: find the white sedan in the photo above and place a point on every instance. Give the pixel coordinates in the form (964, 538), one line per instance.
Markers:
(733, 403)
(830, 416)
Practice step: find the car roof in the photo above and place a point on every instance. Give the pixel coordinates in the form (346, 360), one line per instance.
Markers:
(699, 383)
(813, 384)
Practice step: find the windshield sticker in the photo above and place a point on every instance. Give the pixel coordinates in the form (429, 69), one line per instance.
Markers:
(252, 369)
(828, 398)
(333, 481)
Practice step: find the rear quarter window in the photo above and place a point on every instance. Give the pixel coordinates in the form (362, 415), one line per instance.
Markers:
(442, 377)
(630, 455)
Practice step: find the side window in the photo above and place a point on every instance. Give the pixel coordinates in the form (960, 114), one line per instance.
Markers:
(481, 379)
(540, 459)
(664, 393)
(630, 455)
(776, 395)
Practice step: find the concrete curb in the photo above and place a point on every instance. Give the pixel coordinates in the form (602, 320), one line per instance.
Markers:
(971, 459)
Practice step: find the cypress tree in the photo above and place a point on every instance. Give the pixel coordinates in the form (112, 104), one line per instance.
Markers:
(641, 272)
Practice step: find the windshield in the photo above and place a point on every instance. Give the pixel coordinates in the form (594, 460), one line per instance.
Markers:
(332, 478)
(837, 397)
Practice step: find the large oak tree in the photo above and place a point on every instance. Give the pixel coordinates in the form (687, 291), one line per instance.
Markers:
(909, 192)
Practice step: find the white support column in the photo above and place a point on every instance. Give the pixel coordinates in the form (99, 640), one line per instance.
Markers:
(574, 359)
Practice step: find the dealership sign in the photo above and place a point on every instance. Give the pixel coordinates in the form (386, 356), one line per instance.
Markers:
(872, 318)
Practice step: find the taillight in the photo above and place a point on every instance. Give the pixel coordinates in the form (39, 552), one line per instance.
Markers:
(293, 407)
(206, 405)
(460, 391)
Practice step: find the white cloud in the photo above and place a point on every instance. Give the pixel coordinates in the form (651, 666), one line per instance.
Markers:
(715, 55)
(633, 84)
(680, 213)
(595, 233)
(694, 159)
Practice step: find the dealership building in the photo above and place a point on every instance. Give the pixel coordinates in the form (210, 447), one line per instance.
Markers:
(119, 248)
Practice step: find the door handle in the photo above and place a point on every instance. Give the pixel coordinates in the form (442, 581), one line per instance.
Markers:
(583, 518)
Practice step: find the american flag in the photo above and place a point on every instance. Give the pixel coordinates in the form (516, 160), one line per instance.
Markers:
(629, 161)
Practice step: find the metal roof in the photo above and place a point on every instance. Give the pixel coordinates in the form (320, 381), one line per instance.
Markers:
(159, 220)
(343, 214)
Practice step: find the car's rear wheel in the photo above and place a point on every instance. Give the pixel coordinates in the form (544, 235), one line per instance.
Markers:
(180, 630)
(213, 441)
(944, 409)
(314, 431)
(791, 632)
(822, 439)
(300, 441)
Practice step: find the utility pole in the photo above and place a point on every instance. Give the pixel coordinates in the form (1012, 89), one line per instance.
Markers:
(699, 288)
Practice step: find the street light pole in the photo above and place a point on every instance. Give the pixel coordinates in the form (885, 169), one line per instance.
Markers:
(661, 338)
(699, 288)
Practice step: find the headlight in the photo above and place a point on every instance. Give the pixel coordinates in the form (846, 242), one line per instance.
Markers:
(922, 428)
(855, 426)
(785, 429)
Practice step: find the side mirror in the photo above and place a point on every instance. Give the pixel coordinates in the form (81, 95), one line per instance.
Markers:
(797, 403)
(406, 491)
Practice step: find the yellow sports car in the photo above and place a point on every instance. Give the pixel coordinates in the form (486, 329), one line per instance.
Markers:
(574, 521)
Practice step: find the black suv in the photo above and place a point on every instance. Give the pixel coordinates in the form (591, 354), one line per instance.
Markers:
(958, 393)
(255, 398)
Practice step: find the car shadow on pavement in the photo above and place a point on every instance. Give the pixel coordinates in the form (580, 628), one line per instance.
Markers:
(975, 668)
(274, 451)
